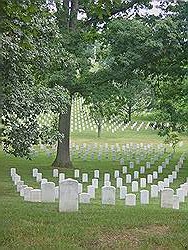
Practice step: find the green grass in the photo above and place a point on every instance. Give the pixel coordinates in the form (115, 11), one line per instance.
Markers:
(26, 225)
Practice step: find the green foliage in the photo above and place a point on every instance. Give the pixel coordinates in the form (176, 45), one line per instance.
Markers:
(172, 139)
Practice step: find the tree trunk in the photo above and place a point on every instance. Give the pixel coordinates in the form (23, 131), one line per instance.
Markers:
(62, 159)
(99, 128)
(129, 113)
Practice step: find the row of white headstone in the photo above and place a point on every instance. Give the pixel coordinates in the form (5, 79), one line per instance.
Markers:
(48, 193)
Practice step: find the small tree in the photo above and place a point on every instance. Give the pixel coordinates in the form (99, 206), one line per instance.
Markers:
(172, 139)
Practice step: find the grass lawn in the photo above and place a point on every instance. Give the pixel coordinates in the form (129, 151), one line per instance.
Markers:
(26, 225)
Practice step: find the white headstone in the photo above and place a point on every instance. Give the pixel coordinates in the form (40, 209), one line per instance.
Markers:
(68, 195)
(76, 173)
(35, 172)
(154, 191)
(136, 174)
(128, 178)
(131, 164)
(84, 177)
(130, 199)
(142, 182)
(57, 192)
(142, 170)
(149, 178)
(175, 202)
(174, 174)
(144, 197)
(17, 178)
(135, 186)
(39, 177)
(55, 172)
(106, 177)
(124, 169)
(48, 192)
(155, 175)
(160, 169)
(170, 177)
(84, 198)
(167, 198)
(91, 191)
(35, 195)
(96, 173)
(80, 187)
(122, 192)
(44, 180)
(166, 182)
(12, 171)
(27, 192)
(148, 164)
(116, 173)
(119, 182)
(160, 185)
(95, 183)
(22, 190)
(19, 184)
(61, 177)
(180, 193)
(107, 183)
(108, 195)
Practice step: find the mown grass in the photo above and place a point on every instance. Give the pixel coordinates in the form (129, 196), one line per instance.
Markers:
(26, 225)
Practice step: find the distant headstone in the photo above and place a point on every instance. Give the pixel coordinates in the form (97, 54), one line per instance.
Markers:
(142, 182)
(84, 177)
(39, 177)
(124, 169)
(116, 173)
(142, 170)
(136, 174)
(96, 173)
(106, 177)
(35, 172)
(61, 177)
(135, 186)
(55, 172)
(149, 178)
(95, 183)
(76, 173)
(155, 175)
(128, 178)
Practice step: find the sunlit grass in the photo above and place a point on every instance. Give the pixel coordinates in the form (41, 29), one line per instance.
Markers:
(26, 225)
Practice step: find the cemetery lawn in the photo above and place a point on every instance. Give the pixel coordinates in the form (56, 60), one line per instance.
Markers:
(25, 225)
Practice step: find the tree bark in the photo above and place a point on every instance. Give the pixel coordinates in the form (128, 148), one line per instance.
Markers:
(129, 113)
(62, 159)
(99, 128)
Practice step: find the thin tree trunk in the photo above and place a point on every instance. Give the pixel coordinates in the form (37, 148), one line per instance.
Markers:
(62, 159)
(129, 113)
(99, 128)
